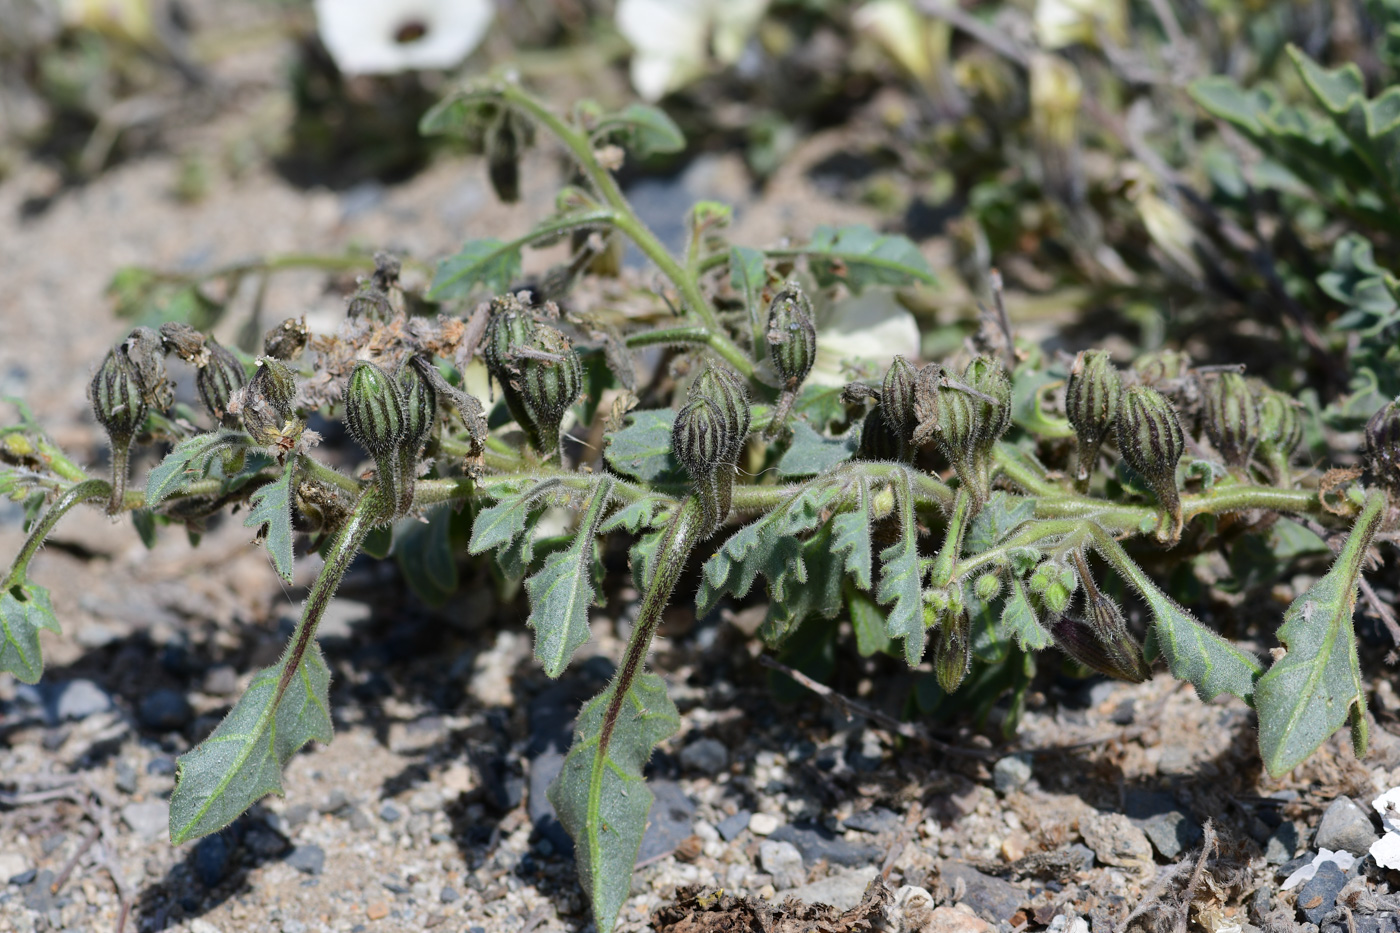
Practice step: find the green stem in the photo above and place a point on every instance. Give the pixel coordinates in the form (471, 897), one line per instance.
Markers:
(315, 469)
(85, 491)
(1023, 474)
(946, 563)
(722, 345)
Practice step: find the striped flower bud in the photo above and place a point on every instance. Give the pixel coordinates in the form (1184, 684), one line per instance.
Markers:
(217, 380)
(1109, 648)
(506, 138)
(1150, 439)
(987, 376)
(727, 390)
(897, 403)
(549, 380)
(702, 440)
(420, 403)
(952, 649)
(1232, 418)
(371, 302)
(1280, 430)
(965, 418)
(792, 337)
(376, 418)
(1092, 396)
(120, 408)
(1382, 449)
(878, 441)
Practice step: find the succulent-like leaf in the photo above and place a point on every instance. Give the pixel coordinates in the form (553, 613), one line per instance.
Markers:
(562, 591)
(271, 514)
(25, 608)
(863, 258)
(901, 578)
(1315, 689)
(242, 761)
(600, 795)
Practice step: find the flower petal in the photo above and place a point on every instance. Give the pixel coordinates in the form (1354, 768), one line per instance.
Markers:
(370, 38)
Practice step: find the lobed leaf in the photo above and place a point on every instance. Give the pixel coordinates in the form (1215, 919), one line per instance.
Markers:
(600, 795)
(1018, 620)
(901, 578)
(490, 263)
(25, 608)
(642, 449)
(1001, 516)
(850, 536)
(241, 762)
(272, 515)
(863, 258)
(562, 591)
(188, 462)
(1316, 688)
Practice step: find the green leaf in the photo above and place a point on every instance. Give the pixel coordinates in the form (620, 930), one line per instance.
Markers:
(810, 453)
(1194, 653)
(643, 129)
(379, 543)
(811, 587)
(562, 591)
(501, 523)
(901, 578)
(647, 512)
(642, 449)
(272, 515)
(188, 462)
(850, 536)
(24, 609)
(1372, 127)
(464, 114)
(868, 622)
(1018, 620)
(1001, 516)
(490, 263)
(144, 521)
(600, 795)
(242, 760)
(1316, 688)
(863, 258)
(424, 554)
(748, 275)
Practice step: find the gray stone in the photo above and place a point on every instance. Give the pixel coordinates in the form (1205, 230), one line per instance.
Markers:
(335, 801)
(874, 820)
(221, 680)
(40, 896)
(730, 827)
(992, 898)
(670, 822)
(77, 699)
(1115, 840)
(359, 819)
(1318, 895)
(782, 861)
(448, 895)
(1171, 833)
(163, 766)
(126, 777)
(212, 855)
(1282, 845)
(149, 819)
(1345, 827)
(840, 889)
(817, 843)
(390, 813)
(308, 859)
(165, 710)
(12, 865)
(705, 756)
(1011, 773)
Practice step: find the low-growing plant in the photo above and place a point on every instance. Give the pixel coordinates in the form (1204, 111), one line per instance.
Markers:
(953, 510)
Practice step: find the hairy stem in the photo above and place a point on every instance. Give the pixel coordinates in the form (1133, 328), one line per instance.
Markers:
(945, 564)
(85, 491)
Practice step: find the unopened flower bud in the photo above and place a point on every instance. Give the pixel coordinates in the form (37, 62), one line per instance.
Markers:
(1382, 451)
(420, 399)
(1232, 418)
(1092, 397)
(145, 351)
(1280, 430)
(965, 419)
(220, 376)
(952, 649)
(987, 586)
(792, 337)
(702, 440)
(369, 301)
(897, 402)
(375, 417)
(550, 380)
(1150, 439)
(879, 441)
(287, 340)
(120, 408)
(506, 138)
(267, 403)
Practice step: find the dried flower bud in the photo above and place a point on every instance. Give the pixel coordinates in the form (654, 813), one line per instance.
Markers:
(1150, 439)
(1232, 417)
(1382, 451)
(897, 403)
(267, 403)
(184, 341)
(1092, 396)
(376, 418)
(1280, 429)
(287, 340)
(965, 419)
(145, 351)
(792, 337)
(727, 390)
(369, 301)
(120, 408)
(220, 376)
(1162, 367)
(952, 650)
(374, 410)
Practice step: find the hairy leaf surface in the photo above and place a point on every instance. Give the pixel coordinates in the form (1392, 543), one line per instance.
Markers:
(271, 514)
(642, 449)
(562, 591)
(901, 578)
(489, 263)
(189, 461)
(24, 609)
(810, 453)
(863, 258)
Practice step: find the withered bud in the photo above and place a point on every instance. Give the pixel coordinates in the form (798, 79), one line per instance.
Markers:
(184, 341)
(287, 340)
(369, 301)
(145, 351)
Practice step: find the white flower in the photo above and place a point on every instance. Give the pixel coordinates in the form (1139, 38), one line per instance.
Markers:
(1343, 860)
(671, 37)
(869, 328)
(1059, 23)
(1386, 850)
(401, 35)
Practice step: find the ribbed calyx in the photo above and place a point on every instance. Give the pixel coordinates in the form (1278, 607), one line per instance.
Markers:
(1382, 451)
(1092, 397)
(371, 302)
(506, 138)
(1232, 418)
(217, 380)
(269, 401)
(965, 418)
(537, 367)
(897, 405)
(420, 400)
(708, 436)
(792, 336)
(1150, 439)
(1280, 430)
(1101, 640)
(120, 407)
(376, 415)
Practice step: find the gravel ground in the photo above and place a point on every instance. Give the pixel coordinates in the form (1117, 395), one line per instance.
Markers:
(428, 812)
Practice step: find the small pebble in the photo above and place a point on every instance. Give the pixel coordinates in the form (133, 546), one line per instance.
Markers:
(126, 778)
(448, 895)
(951, 920)
(165, 710)
(377, 911)
(1011, 773)
(308, 859)
(763, 824)
(1013, 847)
(705, 756)
(161, 767)
(782, 861)
(730, 827)
(1345, 827)
(79, 699)
(390, 813)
